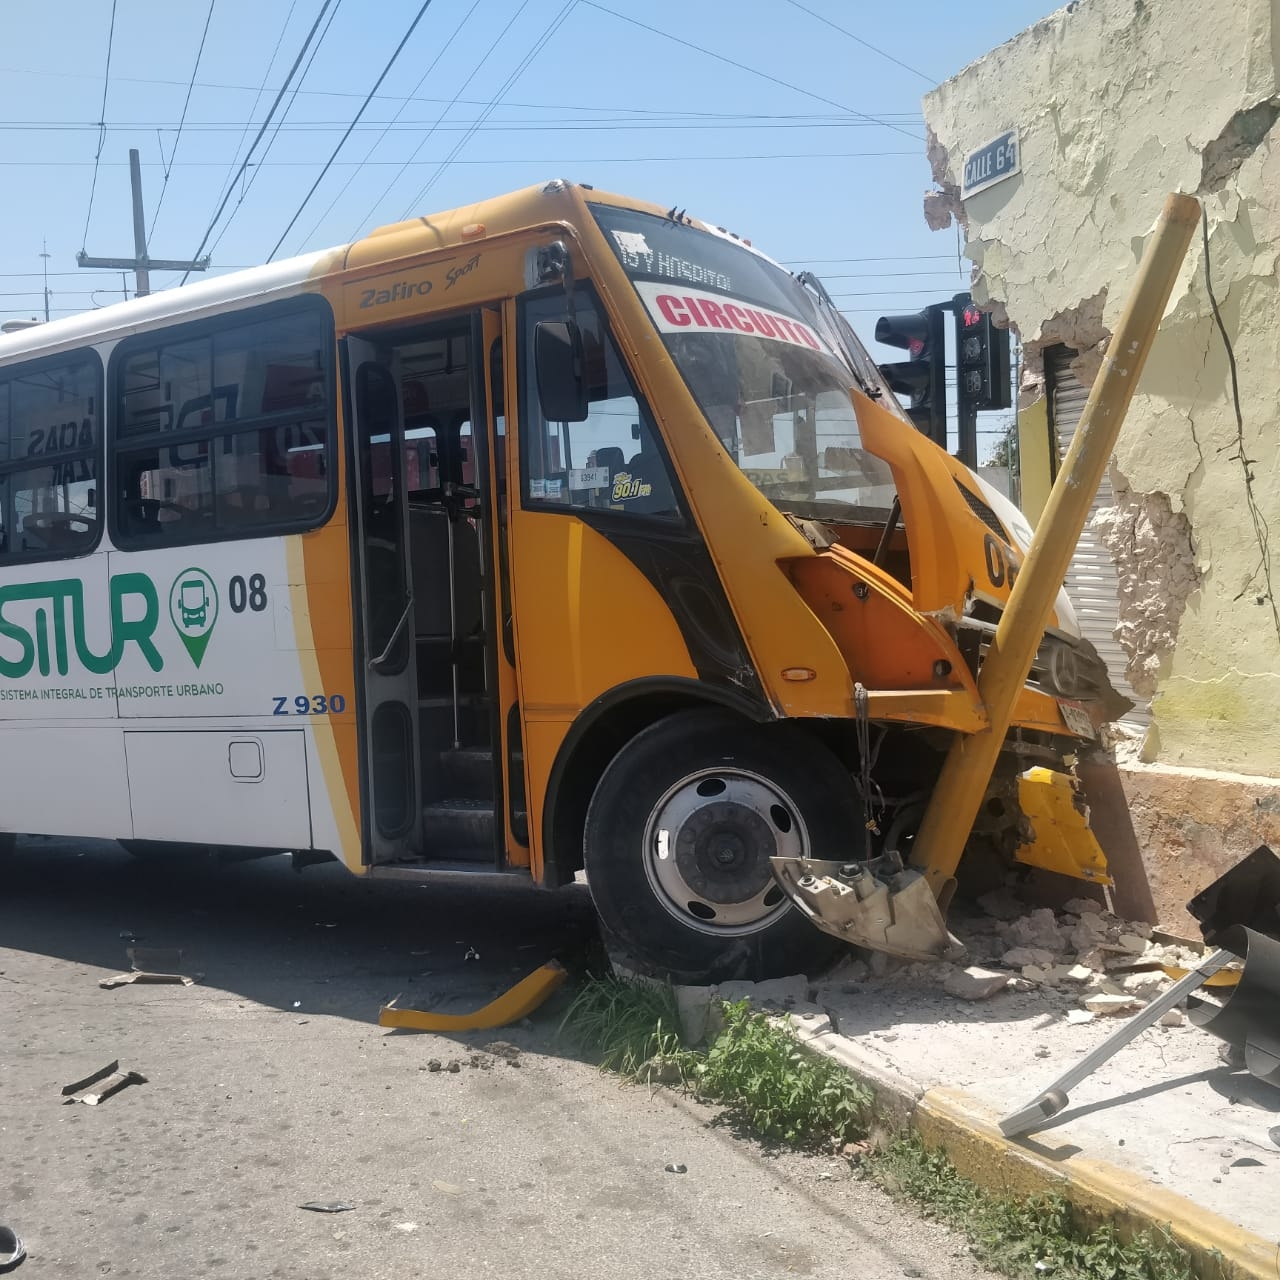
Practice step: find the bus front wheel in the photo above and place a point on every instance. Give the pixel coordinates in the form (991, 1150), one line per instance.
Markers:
(678, 839)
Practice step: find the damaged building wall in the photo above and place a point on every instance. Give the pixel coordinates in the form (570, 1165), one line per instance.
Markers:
(1117, 103)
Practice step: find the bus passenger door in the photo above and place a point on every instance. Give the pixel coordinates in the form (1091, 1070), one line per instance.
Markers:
(392, 800)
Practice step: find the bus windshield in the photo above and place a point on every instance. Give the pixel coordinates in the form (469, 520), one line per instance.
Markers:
(762, 361)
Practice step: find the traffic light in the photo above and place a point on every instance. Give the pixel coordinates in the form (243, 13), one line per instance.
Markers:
(982, 360)
(922, 378)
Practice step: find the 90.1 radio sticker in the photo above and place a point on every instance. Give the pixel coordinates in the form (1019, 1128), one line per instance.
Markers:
(320, 704)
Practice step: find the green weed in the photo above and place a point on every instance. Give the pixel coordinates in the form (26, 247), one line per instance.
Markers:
(782, 1091)
(628, 1023)
(1037, 1236)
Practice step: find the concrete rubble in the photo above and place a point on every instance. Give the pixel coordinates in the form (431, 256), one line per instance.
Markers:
(1037, 989)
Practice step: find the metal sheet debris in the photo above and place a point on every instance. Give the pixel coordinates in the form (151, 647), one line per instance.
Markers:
(137, 976)
(328, 1206)
(99, 1086)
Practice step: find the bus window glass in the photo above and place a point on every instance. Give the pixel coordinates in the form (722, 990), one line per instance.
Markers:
(225, 433)
(611, 461)
(761, 362)
(49, 458)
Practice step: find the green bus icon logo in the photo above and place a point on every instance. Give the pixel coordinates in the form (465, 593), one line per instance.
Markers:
(193, 608)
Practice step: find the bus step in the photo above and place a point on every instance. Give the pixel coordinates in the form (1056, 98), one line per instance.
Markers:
(468, 772)
(459, 824)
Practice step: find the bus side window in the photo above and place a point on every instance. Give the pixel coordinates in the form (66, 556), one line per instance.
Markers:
(224, 427)
(49, 436)
(610, 462)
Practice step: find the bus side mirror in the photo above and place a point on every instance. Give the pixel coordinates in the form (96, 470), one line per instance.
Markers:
(562, 383)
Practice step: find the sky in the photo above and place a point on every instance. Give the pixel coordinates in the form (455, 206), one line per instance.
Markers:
(795, 123)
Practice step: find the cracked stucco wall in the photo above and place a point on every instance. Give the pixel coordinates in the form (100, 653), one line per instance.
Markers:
(1117, 103)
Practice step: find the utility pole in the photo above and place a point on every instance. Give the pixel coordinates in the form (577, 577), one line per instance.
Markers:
(140, 264)
(44, 246)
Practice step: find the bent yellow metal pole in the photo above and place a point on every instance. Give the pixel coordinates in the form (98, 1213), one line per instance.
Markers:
(965, 774)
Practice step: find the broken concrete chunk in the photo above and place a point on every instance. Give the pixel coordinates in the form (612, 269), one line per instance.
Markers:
(1173, 1018)
(1078, 1016)
(1143, 983)
(1086, 935)
(1001, 904)
(1083, 907)
(784, 992)
(1035, 972)
(975, 983)
(1018, 956)
(1134, 943)
(1039, 929)
(1108, 1005)
(1079, 973)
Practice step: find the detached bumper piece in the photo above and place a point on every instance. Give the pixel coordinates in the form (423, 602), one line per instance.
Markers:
(879, 905)
(1059, 818)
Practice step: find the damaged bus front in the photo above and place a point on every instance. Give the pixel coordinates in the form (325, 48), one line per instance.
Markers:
(800, 467)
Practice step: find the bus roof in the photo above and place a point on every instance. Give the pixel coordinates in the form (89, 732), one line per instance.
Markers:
(529, 207)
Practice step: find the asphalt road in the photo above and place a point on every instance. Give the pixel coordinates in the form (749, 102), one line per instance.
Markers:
(269, 1084)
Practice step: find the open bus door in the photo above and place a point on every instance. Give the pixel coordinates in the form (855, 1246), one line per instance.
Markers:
(386, 670)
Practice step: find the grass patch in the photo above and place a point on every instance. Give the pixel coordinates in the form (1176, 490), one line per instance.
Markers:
(1031, 1237)
(628, 1023)
(771, 1084)
(782, 1091)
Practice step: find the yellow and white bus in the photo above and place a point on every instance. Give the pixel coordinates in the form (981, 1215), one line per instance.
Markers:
(535, 535)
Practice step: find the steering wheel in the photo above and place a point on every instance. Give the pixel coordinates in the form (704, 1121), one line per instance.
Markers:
(42, 521)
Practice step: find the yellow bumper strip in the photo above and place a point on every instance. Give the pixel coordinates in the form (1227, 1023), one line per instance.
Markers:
(509, 1007)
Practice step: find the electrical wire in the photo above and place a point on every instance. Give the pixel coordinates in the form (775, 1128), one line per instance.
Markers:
(742, 66)
(552, 27)
(413, 26)
(247, 186)
(102, 125)
(213, 222)
(227, 181)
(865, 43)
(164, 186)
(368, 160)
(417, 151)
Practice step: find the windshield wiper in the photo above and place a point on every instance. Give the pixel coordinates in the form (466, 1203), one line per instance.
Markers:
(843, 333)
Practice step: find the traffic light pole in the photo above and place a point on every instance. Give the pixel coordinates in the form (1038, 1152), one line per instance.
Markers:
(967, 434)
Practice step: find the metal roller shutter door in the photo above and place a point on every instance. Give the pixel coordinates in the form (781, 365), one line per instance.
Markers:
(1092, 582)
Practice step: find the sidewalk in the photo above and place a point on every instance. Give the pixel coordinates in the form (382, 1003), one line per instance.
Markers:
(1163, 1134)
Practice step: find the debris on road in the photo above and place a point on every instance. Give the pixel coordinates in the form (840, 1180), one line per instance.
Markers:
(328, 1206)
(511, 1006)
(12, 1250)
(137, 976)
(99, 1086)
(676, 1168)
(974, 983)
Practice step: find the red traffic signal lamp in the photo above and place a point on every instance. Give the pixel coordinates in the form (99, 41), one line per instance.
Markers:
(982, 360)
(921, 378)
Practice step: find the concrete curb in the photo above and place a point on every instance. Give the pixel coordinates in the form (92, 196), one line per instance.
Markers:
(968, 1132)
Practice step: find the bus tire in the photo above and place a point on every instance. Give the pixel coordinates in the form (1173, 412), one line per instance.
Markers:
(721, 796)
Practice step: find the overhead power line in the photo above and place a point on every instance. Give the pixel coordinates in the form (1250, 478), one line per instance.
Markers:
(256, 167)
(257, 98)
(244, 164)
(422, 142)
(164, 185)
(102, 124)
(742, 66)
(865, 43)
(413, 26)
(552, 27)
(377, 142)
